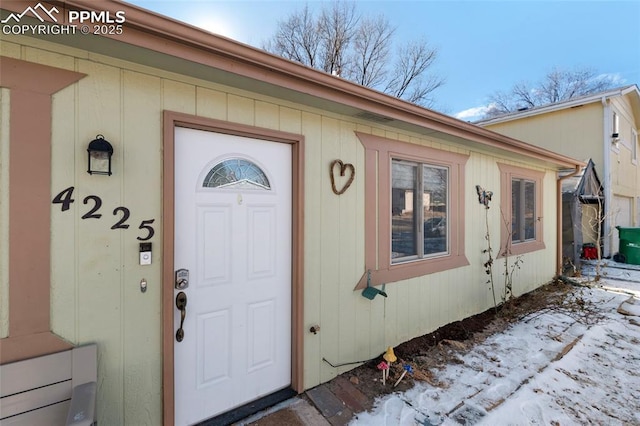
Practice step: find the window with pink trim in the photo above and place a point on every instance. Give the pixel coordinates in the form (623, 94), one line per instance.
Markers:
(521, 208)
(414, 202)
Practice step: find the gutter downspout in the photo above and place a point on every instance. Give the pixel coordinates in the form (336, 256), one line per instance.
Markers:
(559, 219)
(608, 197)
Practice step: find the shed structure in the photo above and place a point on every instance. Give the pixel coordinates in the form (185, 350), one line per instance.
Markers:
(582, 214)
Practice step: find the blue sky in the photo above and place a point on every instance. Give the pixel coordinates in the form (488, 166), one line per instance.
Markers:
(484, 46)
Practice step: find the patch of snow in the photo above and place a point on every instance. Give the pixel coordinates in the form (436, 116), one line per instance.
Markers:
(545, 369)
(631, 306)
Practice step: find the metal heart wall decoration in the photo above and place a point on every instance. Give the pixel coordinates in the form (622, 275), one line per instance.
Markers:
(342, 168)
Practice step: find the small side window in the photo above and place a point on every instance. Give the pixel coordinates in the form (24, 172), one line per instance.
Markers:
(522, 207)
(523, 210)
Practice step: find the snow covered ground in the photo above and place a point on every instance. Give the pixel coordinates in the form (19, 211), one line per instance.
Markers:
(547, 369)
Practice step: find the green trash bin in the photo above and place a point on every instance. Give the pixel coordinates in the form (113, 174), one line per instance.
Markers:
(630, 244)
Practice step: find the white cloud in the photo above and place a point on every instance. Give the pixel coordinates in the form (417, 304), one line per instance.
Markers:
(615, 78)
(473, 113)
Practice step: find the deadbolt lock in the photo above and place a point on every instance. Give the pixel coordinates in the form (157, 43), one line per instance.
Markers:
(182, 279)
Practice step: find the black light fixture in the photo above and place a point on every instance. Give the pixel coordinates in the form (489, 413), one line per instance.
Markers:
(99, 153)
(615, 139)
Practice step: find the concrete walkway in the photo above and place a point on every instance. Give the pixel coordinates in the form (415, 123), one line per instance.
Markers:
(296, 411)
(332, 403)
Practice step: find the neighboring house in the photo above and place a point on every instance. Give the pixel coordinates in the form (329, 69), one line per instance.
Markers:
(602, 127)
(225, 184)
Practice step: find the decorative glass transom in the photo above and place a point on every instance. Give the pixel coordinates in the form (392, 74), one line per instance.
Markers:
(236, 173)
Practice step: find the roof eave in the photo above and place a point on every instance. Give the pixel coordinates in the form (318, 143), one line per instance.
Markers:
(250, 62)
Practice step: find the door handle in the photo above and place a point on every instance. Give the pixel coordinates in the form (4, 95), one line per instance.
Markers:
(181, 303)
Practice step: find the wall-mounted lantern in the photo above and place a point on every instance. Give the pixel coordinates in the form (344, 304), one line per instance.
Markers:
(99, 153)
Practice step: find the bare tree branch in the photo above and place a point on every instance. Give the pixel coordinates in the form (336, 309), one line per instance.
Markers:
(295, 38)
(341, 42)
(371, 45)
(413, 60)
(525, 96)
(557, 85)
(499, 103)
(336, 28)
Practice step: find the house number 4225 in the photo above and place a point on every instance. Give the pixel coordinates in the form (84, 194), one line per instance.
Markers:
(94, 203)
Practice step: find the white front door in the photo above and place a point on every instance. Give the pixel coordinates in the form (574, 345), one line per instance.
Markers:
(233, 236)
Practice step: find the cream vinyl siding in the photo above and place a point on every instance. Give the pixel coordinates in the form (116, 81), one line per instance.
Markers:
(575, 132)
(95, 289)
(625, 172)
(579, 132)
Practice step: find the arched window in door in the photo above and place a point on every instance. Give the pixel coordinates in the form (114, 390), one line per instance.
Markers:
(236, 173)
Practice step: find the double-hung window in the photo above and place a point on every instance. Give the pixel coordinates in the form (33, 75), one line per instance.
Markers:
(419, 213)
(414, 203)
(521, 209)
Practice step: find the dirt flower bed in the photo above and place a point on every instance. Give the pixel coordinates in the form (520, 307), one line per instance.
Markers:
(428, 353)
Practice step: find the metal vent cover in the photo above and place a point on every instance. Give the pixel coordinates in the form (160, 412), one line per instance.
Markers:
(366, 115)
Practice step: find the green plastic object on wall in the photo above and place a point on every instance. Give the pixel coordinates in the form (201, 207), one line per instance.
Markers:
(371, 292)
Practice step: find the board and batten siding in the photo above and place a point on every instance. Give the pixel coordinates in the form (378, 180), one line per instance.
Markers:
(95, 290)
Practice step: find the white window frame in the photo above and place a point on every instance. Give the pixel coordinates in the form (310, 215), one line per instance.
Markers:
(419, 212)
(521, 219)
